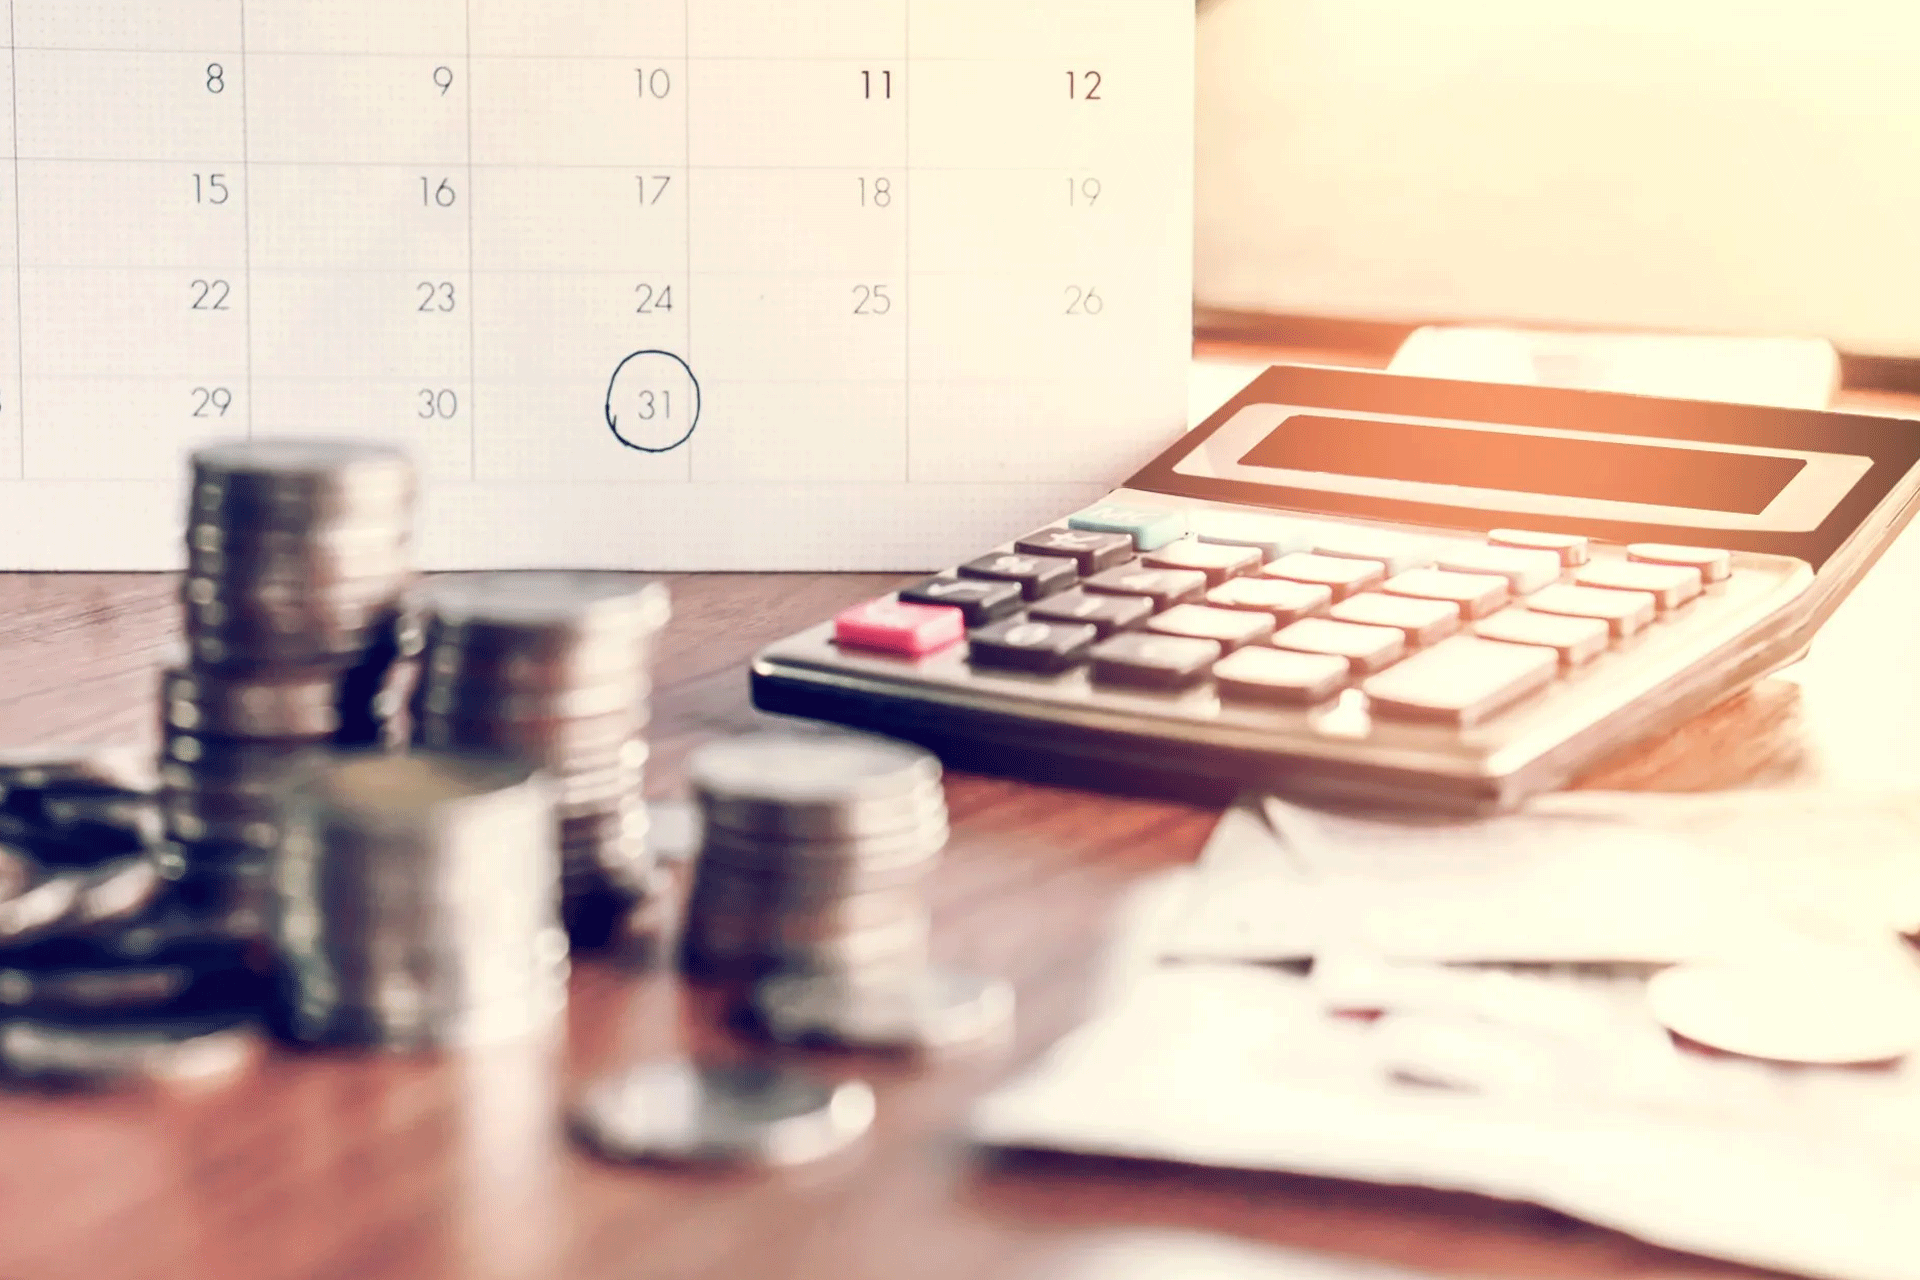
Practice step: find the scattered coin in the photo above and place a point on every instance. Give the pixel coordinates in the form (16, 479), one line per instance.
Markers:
(926, 1009)
(1822, 1006)
(747, 1113)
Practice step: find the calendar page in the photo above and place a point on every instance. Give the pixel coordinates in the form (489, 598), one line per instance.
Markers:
(660, 284)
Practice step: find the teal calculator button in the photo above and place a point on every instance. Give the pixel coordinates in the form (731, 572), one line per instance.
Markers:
(1150, 529)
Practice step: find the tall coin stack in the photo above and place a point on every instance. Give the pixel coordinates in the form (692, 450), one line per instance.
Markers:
(556, 668)
(814, 854)
(297, 562)
(416, 903)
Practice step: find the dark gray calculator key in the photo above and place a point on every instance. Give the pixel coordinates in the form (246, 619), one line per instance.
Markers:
(1423, 621)
(1151, 661)
(1165, 587)
(1280, 675)
(1624, 611)
(1233, 628)
(978, 600)
(1089, 548)
(1337, 574)
(1026, 645)
(1286, 601)
(1105, 614)
(1218, 561)
(1670, 585)
(1462, 680)
(1365, 648)
(1036, 576)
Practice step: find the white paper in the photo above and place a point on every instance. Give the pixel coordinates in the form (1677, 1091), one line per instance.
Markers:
(924, 267)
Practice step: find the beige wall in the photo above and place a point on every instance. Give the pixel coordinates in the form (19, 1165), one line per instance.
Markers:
(1686, 164)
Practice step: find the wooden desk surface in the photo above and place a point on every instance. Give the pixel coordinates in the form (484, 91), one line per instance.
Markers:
(322, 1165)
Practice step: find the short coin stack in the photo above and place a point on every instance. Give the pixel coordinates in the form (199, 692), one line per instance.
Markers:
(105, 975)
(555, 668)
(813, 853)
(416, 903)
(297, 561)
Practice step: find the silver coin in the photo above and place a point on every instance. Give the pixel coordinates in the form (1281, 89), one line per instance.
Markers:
(814, 785)
(40, 910)
(1814, 1005)
(928, 1009)
(747, 1113)
(307, 479)
(198, 1049)
(849, 858)
(115, 891)
(484, 701)
(78, 989)
(570, 601)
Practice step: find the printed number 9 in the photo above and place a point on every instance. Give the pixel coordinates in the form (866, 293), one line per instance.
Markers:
(443, 77)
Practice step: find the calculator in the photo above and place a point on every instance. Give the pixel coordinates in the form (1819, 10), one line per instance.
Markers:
(1379, 589)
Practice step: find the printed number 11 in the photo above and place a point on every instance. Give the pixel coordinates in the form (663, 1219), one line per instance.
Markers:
(885, 83)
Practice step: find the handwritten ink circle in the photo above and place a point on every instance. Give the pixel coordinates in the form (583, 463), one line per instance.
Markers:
(653, 402)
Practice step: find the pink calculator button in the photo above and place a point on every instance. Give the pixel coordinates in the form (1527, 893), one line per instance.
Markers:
(898, 627)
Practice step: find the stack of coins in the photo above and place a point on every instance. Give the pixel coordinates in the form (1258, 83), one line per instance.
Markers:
(105, 975)
(813, 853)
(416, 903)
(297, 641)
(555, 668)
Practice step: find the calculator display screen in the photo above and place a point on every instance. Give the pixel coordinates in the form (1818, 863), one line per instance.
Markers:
(1662, 475)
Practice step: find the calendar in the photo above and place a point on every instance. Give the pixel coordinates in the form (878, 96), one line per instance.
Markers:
(655, 284)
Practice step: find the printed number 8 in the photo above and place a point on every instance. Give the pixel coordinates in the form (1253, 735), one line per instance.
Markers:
(216, 78)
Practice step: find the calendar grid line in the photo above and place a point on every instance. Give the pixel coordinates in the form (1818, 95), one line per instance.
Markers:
(246, 211)
(906, 247)
(19, 293)
(686, 158)
(627, 167)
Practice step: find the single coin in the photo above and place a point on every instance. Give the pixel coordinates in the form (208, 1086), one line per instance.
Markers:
(747, 1113)
(928, 1009)
(485, 606)
(474, 699)
(110, 769)
(909, 853)
(295, 704)
(199, 1048)
(300, 482)
(812, 784)
(1806, 1005)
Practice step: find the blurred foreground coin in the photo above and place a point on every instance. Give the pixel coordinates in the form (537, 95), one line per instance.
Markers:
(1817, 1007)
(915, 1009)
(741, 1113)
(195, 1049)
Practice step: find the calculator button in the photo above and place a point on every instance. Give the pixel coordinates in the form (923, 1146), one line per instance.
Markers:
(1571, 548)
(1397, 551)
(1036, 576)
(1625, 612)
(1286, 601)
(1281, 675)
(1341, 577)
(1149, 527)
(1092, 551)
(1217, 560)
(1152, 661)
(1031, 646)
(1271, 535)
(1105, 614)
(1462, 680)
(1365, 648)
(1165, 587)
(1422, 621)
(1576, 639)
(896, 627)
(1670, 585)
(1475, 594)
(1525, 571)
(1714, 565)
(1231, 627)
(980, 601)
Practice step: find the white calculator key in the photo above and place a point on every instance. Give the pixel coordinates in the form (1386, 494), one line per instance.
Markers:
(1570, 547)
(1232, 628)
(1273, 535)
(1624, 611)
(1462, 680)
(1397, 551)
(1366, 648)
(1670, 585)
(1526, 571)
(1714, 565)
(1475, 594)
(1576, 639)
